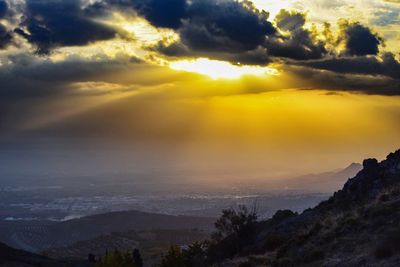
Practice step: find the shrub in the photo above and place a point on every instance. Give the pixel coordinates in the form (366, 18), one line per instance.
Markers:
(390, 246)
(273, 242)
(235, 229)
(246, 264)
(379, 210)
(173, 258)
(281, 215)
(195, 255)
(240, 223)
(117, 259)
(313, 255)
(384, 198)
(259, 260)
(137, 258)
(283, 262)
(383, 251)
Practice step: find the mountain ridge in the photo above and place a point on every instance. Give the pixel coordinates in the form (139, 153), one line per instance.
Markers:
(358, 226)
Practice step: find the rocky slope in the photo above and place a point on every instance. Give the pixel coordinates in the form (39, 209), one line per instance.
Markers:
(358, 226)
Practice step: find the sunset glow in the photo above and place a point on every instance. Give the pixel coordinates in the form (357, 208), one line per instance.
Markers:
(294, 79)
(220, 70)
(199, 133)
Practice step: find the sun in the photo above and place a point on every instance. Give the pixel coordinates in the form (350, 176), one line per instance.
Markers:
(273, 6)
(216, 69)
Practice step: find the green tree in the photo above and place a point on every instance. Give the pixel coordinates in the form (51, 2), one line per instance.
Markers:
(116, 259)
(240, 223)
(234, 230)
(173, 258)
(137, 258)
(196, 254)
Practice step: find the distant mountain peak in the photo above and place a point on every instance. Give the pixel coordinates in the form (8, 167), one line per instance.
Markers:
(365, 212)
(352, 169)
(354, 165)
(372, 180)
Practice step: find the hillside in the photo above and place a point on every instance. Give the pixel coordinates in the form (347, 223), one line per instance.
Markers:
(358, 226)
(42, 235)
(10, 257)
(152, 244)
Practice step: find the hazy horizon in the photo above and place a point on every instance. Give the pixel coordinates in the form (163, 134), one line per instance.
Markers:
(203, 95)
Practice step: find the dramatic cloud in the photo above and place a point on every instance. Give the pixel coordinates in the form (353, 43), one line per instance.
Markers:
(238, 32)
(5, 37)
(315, 79)
(221, 25)
(161, 13)
(360, 40)
(3, 8)
(298, 42)
(61, 23)
(228, 30)
(387, 66)
(28, 76)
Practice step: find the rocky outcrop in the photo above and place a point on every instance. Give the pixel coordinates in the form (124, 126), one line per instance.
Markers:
(358, 226)
(371, 180)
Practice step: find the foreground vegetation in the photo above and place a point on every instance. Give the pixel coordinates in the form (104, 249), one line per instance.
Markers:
(358, 226)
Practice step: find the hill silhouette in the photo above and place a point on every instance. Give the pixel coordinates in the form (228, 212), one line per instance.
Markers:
(10, 257)
(358, 226)
(42, 235)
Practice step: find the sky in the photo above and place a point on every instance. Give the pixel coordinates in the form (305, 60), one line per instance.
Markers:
(279, 87)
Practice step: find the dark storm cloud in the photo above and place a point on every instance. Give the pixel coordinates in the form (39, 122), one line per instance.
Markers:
(5, 37)
(360, 40)
(310, 78)
(238, 32)
(28, 76)
(160, 13)
(3, 8)
(223, 29)
(362, 74)
(218, 29)
(387, 66)
(225, 25)
(298, 43)
(61, 23)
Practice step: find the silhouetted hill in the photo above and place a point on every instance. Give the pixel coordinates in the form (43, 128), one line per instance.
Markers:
(10, 257)
(152, 244)
(43, 235)
(358, 226)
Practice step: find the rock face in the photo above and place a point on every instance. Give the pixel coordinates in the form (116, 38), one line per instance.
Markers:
(358, 226)
(372, 179)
